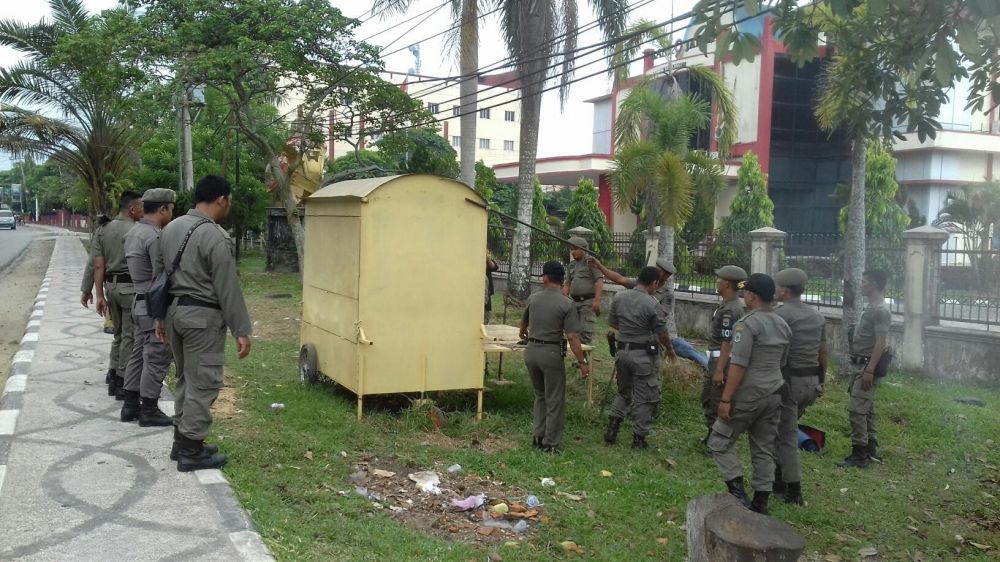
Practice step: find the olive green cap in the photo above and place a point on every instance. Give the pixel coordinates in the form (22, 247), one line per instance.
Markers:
(665, 265)
(791, 277)
(579, 242)
(731, 273)
(159, 195)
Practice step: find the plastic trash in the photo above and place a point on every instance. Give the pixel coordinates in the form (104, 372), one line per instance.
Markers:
(454, 468)
(548, 482)
(498, 523)
(532, 501)
(277, 406)
(471, 502)
(501, 509)
(521, 526)
(427, 481)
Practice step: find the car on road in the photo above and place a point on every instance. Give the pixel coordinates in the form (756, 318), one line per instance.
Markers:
(7, 219)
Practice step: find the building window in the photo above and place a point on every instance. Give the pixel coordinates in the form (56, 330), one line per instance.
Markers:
(456, 141)
(484, 113)
(432, 107)
(456, 111)
(508, 116)
(484, 143)
(508, 146)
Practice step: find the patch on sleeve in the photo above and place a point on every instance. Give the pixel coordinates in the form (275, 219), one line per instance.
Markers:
(736, 337)
(725, 322)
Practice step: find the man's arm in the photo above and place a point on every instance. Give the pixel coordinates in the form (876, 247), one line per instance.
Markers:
(577, 349)
(736, 373)
(612, 275)
(491, 265)
(226, 285)
(868, 378)
(741, 347)
(598, 293)
(524, 325)
(725, 348)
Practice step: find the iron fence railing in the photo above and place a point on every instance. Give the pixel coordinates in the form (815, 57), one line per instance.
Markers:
(968, 283)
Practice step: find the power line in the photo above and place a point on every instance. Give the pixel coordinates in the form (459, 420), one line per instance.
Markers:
(390, 28)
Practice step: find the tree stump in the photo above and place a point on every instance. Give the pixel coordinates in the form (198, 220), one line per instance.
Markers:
(722, 530)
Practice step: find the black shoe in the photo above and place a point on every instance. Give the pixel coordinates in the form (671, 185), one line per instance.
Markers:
(639, 442)
(759, 503)
(108, 376)
(857, 459)
(551, 450)
(150, 414)
(737, 490)
(130, 407)
(113, 386)
(192, 455)
(793, 494)
(536, 443)
(779, 485)
(873, 450)
(611, 435)
(175, 448)
(119, 388)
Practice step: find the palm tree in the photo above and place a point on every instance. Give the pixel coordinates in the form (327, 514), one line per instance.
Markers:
(466, 14)
(654, 165)
(49, 108)
(542, 35)
(974, 212)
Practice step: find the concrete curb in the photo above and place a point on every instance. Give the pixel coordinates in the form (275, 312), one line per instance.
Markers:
(235, 521)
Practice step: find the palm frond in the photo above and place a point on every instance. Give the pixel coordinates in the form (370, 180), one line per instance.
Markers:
(34, 41)
(70, 15)
(725, 105)
(674, 191)
(638, 33)
(640, 107)
(633, 173)
(569, 20)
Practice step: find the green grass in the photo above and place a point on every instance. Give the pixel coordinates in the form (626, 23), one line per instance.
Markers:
(939, 476)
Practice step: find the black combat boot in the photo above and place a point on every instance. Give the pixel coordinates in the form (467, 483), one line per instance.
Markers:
(857, 459)
(639, 442)
(793, 493)
(611, 435)
(759, 504)
(192, 455)
(737, 490)
(119, 388)
(873, 449)
(175, 448)
(536, 443)
(779, 484)
(108, 376)
(150, 414)
(112, 382)
(130, 407)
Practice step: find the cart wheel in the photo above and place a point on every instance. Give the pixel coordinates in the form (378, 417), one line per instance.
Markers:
(308, 372)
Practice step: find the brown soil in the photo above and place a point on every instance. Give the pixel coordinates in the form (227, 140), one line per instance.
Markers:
(19, 285)
(489, 444)
(227, 404)
(434, 513)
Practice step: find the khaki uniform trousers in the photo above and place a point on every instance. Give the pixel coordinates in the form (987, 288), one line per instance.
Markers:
(801, 394)
(711, 395)
(198, 340)
(547, 370)
(638, 389)
(759, 420)
(150, 358)
(585, 312)
(861, 408)
(119, 296)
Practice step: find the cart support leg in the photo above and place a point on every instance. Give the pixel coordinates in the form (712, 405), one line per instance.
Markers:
(360, 403)
(479, 405)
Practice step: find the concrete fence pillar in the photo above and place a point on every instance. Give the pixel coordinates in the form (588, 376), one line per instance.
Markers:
(582, 232)
(765, 250)
(920, 301)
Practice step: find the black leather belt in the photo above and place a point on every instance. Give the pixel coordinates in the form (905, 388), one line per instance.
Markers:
(121, 278)
(544, 342)
(634, 346)
(859, 359)
(191, 301)
(581, 298)
(140, 297)
(790, 372)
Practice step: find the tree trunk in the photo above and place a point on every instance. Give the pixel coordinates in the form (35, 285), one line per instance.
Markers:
(469, 89)
(854, 240)
(287, 200)
(668, 236)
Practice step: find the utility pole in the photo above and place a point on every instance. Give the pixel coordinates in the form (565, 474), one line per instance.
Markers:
(184, 149)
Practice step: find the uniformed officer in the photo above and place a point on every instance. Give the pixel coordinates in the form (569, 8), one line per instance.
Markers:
(150, 358)
(585, 285)
(867, 348)
(751, 398)
(491, 266)
(207, 299)
(664, 295)
(114, 285)
(547, 318)
(641, 325)
(804, 375)
(87, 286)
(720, 346)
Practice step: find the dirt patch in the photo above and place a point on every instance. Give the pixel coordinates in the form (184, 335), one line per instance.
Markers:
(489, 443)
(227, 404)
(19, 284)
(494, 512)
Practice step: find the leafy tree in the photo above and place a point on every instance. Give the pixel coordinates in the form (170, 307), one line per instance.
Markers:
(505, 198)
(358, 164)
(420, 150)
(557, 202)
(751, 209)
(531, 32)
(584, 211)
(486, 181)
(885, 219)
(65, 100)
(974, 212)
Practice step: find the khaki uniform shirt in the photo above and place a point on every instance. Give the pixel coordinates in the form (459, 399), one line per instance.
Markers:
(760, 343)
(550, 314)
(724, 319)
(808, 329)
(87, 285)
(207, 271)
(582, 278)
(664, 295)
(637, 316)
(875, 321)
(142, 250)
(110, 245)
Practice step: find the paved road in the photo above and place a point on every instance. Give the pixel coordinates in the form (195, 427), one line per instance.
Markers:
(13, 242)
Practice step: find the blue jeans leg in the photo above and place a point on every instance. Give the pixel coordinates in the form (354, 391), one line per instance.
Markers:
(683, 349)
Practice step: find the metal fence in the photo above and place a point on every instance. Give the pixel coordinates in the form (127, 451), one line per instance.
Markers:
(969, 281)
